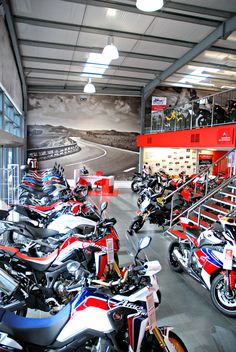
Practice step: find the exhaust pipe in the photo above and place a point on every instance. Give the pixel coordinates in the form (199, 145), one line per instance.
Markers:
(180, 258)
(187, 269)
(7, 284)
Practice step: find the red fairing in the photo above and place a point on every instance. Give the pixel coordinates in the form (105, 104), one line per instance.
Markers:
(112, 234)
(101, 265)
(201, 256)
(210, 268)
(232, 279)
(43, 207)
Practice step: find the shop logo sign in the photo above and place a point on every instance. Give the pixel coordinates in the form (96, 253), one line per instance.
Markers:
(225, 136)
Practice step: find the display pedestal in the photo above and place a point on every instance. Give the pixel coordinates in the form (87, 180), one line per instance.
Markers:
(104, 184)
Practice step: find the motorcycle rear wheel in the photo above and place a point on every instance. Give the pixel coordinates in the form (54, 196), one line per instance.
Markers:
(151, 344)
(226, 305)
(173, 261)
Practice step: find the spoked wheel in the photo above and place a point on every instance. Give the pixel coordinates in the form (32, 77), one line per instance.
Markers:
(202, 121)
(223, 300)
(158, 189)
(174, 343)
(137, 224)
(173, 261)
(135, 186)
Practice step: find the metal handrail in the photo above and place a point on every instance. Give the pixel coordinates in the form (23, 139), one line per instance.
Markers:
(203, 98)
(203, 199)
(199, 174)
(205, 171)
(196, 102)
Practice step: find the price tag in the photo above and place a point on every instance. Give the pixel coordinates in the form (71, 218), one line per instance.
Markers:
(151, 309)
(228, 258)
(110, 251)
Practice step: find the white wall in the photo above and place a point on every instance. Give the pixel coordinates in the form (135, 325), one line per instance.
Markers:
(9, 77)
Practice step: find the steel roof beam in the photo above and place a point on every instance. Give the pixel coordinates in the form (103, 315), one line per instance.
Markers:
(197, 9)
(161, 14)
(83, 63)
(88, 74)
(220, 32)
(92, 49)
(79, 90)
(102, 31)
(118, 67)
(82, 83)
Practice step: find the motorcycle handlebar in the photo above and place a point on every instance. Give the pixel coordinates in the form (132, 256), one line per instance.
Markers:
(111, 283)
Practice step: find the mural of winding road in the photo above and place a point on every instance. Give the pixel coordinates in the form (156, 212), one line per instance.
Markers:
(112, 161)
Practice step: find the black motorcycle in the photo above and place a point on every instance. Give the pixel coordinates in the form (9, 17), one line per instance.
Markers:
(156, 212)
(139, 183)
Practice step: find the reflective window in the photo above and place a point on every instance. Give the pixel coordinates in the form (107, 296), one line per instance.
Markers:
(11, 120)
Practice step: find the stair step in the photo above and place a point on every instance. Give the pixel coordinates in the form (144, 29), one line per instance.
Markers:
(216, 207)
(203, 223)
(231, 186)
(224, 200)
(176, 233)
(208, 215)
(228, 194)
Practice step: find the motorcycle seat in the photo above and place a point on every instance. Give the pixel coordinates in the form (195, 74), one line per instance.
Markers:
(40, 232)
(37, 331)
(35, 232)
(193, 232)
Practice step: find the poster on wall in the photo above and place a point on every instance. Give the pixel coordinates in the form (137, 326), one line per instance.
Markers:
(98, 132)
(205, 159)
(158, 103)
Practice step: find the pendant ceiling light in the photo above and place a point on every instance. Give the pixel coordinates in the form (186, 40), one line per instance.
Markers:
(110, 51)
(89, 87)
(149, 5)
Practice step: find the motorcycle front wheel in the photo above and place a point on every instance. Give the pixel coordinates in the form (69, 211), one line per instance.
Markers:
(135, 186)
(173, 261)
(137, 224)
(224, 301)
(173, 342)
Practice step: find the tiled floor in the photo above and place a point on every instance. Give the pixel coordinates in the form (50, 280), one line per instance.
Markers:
(186, 305)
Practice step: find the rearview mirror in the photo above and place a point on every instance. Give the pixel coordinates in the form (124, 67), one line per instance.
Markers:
(144, 242)
(103, 206)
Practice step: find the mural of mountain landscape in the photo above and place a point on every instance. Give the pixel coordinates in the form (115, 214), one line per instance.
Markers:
(99, 132)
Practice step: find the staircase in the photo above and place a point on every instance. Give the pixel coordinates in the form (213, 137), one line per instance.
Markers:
(220, 200)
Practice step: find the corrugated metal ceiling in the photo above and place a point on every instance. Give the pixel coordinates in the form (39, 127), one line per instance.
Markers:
(56, 37)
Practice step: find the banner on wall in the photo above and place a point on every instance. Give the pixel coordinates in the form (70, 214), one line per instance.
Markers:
(205, 159)
(158, 103)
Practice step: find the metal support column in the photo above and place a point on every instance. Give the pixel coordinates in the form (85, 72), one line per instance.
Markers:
(142, 121)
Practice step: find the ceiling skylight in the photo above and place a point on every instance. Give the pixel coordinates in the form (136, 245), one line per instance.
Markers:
(198, 75)
(96, 65)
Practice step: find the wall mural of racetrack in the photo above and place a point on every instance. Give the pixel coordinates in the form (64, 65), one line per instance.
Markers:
(74, 130)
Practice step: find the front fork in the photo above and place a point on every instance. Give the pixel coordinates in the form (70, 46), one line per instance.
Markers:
(230, 280)
(159, 336)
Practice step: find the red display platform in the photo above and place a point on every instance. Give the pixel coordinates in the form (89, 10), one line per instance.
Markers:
(100, 184)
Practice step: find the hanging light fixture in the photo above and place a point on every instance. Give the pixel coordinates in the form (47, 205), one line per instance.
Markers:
(110, 51)
(149, 5)
(89, 87)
